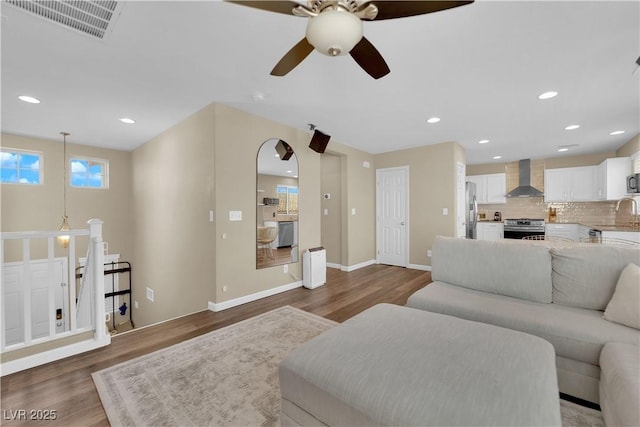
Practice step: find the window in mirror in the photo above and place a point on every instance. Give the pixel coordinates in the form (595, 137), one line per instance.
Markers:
(287, 200)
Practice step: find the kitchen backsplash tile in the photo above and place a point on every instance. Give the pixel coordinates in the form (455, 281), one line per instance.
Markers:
(601, 213)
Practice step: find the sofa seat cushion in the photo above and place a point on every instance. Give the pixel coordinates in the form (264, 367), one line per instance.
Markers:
(393, 365)
(575, 333)
(525, 269)
(620, 384)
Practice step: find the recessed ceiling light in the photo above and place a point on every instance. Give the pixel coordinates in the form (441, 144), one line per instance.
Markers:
(29, 99)
(617, 132)
(277, 155)
(497, 157)
(483, 141)
(548, 95)
(127, 120)
(572, 127)
(563, 149)
(289, 171)
(433, 120)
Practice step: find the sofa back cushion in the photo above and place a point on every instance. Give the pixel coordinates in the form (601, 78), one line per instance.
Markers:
(585, 276)
(515, 269)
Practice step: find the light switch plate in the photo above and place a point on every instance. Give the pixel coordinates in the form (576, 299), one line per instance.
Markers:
(235, 215)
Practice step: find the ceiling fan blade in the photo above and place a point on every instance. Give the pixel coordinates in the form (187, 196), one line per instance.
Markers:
(292, 58)
(368, 57)
(389, 9)
(285, 7)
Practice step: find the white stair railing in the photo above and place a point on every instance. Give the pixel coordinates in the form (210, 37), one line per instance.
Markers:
(86, 314)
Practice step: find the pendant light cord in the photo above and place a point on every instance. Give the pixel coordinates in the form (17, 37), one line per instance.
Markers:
(64, 162)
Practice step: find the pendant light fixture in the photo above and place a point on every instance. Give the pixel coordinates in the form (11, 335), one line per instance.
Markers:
(63, 241)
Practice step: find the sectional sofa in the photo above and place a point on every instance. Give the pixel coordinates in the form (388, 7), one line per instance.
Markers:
(559, 294)
(500, 331)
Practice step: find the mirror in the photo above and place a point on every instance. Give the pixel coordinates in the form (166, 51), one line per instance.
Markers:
(277, 204)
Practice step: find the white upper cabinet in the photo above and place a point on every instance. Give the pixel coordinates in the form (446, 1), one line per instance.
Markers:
(490, 188)
(611, 178)
(570, 184)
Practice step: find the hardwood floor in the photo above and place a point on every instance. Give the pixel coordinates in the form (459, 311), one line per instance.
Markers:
(66, 386)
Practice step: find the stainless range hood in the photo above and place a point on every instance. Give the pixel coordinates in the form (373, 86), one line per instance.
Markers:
(524, 188)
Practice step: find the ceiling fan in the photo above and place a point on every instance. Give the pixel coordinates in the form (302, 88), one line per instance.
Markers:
(335, 27)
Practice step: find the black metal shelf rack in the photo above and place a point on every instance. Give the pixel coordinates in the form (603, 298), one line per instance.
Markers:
(116, 267)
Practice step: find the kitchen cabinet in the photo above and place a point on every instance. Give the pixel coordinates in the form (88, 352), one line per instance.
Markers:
(611, 178)
(633, 236)
(566, 231)
(570, 184)
(583, 233)
(490, 188)
(490, 230)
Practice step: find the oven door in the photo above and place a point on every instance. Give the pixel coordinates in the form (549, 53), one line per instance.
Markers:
(519, 234)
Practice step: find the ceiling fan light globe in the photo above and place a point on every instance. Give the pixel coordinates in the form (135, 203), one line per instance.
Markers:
(334, 32)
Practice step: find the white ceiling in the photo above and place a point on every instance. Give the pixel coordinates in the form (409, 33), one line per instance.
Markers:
(479, 68)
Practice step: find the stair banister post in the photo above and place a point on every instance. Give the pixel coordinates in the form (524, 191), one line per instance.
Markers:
(97, 261)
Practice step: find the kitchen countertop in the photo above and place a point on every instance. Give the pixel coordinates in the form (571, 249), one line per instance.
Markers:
(601, 227)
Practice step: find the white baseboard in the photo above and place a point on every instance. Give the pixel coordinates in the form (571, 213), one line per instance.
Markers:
(51, 356)
(253, 297)
(419, 267)
(336, 266)
(358, 266)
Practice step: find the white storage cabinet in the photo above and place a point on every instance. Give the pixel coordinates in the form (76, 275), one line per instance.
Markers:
(490, 188)
(566, 231)
(570, 184)
(490, 230)
(611, 178)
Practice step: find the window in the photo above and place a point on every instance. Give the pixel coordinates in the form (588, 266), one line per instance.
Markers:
(288, 199)
(89, 173)
(21, 167)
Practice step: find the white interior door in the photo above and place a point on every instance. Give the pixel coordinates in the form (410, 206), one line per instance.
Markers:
(392, 214)
(41, 281)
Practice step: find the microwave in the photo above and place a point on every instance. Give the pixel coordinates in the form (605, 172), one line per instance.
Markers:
(633, 183)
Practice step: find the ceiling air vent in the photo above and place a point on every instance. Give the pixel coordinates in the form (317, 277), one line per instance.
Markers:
(89, 17)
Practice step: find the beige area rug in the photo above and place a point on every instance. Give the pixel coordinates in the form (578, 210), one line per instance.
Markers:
(228, 377)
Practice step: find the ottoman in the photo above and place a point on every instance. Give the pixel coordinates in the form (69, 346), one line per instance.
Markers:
(393, 365)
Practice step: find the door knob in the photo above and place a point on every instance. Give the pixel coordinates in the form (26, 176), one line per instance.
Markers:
(401, 222)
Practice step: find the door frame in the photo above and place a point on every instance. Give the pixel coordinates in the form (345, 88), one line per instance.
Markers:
(407, 222)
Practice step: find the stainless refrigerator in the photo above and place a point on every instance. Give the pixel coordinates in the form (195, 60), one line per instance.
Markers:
(471, 208)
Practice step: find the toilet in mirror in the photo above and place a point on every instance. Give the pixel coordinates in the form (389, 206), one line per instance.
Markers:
(277, 204)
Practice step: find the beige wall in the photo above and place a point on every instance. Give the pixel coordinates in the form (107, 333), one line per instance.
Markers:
(173, 192)
(40, 207)
(359, 193)
(331, 183)
(239, 132)
(432, 186)
(630, 148)
(549, 163)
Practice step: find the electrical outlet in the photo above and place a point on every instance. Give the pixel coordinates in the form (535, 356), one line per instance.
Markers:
(429, 252)
(136, 304)
(285, 268)
(150, 294)
(225, 289)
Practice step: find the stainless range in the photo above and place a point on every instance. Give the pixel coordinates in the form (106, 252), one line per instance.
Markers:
(523, 227)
